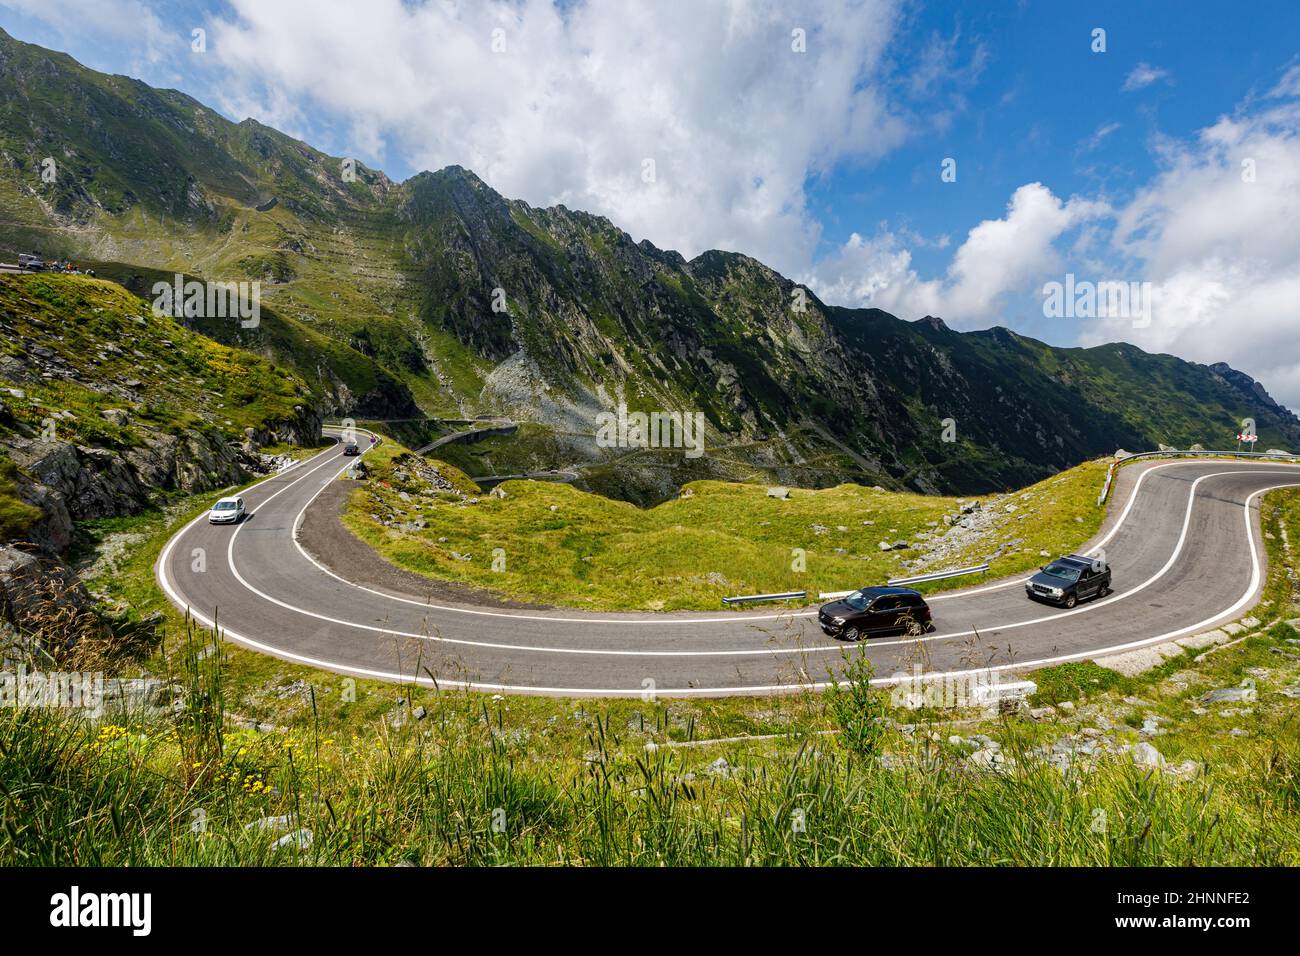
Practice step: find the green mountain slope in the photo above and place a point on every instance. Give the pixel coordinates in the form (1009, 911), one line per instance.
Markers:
(439, 296)
(104, 405)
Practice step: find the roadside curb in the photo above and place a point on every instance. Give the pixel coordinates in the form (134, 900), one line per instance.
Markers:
(1132, 663)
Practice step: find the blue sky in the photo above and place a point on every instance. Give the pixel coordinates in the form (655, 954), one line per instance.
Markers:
(1120, 165)
(1030, 112)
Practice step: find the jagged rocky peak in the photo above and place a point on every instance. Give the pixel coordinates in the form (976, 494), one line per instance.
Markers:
(1244, 383)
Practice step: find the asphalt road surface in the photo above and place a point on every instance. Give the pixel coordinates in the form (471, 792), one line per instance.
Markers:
(1181, 537)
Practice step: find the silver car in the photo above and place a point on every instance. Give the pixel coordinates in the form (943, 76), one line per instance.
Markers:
(227, 511)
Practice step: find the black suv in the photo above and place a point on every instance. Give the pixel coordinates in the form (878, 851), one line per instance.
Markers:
(875, 611)
(351, 449)
(1069, 580)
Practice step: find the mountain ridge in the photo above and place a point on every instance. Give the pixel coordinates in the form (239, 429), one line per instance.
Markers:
(437, 295)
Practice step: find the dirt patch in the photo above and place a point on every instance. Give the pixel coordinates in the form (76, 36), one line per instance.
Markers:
(327, 540)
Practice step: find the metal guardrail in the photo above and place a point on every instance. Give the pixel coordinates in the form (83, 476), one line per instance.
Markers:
(939, 575)
(753, 598)
(1110, 472)
(899, 582)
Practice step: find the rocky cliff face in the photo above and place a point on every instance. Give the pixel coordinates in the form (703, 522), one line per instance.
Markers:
(104, 405)
(105, 409)
(86, 482)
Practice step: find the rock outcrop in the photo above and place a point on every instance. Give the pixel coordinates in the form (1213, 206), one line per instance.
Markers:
(71, 482)
(44, 609)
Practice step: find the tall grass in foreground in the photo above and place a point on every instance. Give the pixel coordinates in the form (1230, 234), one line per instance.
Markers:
(72, 796)
(462, 788)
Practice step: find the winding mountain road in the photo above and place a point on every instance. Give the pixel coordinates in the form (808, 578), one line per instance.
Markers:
(1181, 537)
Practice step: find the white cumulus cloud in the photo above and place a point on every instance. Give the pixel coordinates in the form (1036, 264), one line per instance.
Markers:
(1215, 235)
(125, 22)
(572, 104)
(998, 258)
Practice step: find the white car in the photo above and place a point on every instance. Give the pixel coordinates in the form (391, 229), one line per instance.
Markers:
(227, 511)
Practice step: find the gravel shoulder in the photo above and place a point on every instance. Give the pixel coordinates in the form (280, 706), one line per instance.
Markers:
(327, 540)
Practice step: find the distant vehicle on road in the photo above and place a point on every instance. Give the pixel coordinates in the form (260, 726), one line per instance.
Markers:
(351, 449)
(875, 610)
(1067, 581)
(227, 511)
(31, 263)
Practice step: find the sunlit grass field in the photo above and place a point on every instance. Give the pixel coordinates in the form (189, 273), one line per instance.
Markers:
(554, 544)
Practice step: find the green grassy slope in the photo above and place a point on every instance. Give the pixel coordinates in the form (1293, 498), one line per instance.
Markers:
(565, 546)
(110, 346)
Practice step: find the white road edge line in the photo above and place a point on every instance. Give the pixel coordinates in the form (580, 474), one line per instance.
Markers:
(746, 652)
(684, 621)
(1132, 498)
(758, 689)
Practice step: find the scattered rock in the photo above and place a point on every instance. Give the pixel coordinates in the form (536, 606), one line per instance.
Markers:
(1187, 770)
(1225, 694)
(994, 760)
(782, 493)
(302, 839)
(1145, 755)
(142, 697)
(299, 688)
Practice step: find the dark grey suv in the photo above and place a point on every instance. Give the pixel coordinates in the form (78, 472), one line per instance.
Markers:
(1069, 580)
